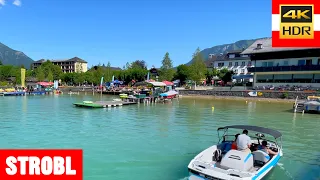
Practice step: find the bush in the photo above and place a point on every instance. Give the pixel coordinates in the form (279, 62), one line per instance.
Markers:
(285, 95)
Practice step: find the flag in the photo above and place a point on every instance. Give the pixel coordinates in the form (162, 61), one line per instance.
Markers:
(101, 82)
(23, 77)
(291, 24)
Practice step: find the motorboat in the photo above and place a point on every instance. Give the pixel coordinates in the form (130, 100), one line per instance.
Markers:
(220, 162)
(169, 95)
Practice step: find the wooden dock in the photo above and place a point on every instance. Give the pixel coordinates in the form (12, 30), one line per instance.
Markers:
(103, 104)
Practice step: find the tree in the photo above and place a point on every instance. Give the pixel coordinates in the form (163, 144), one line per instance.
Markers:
(40, 74)
(108, 74)
(50, 76)
(183, 72)
(1, 63)
(139, 63)
(222, 72)
(227, 76)
(198, 67)
(166, 70)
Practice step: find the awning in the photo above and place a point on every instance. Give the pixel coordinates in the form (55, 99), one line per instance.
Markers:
(168, 83)
(45, 83)
(158, 83)
(246, 76)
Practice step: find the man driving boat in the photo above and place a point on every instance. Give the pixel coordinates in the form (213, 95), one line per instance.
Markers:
(265, 149)
(244, 142)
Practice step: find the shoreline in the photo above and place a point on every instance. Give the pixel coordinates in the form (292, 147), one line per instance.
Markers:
(237, 98)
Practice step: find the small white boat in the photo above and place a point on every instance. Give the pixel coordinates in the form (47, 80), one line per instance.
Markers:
(169, 95)
(220, 162)
(117, 100)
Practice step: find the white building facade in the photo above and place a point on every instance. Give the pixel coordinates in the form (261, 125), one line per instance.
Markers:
(283, 66)
(236, 62)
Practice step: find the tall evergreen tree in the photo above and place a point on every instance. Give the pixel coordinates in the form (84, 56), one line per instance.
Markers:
(166, 70)
(198, 67)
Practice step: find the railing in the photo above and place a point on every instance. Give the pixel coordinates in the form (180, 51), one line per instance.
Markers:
(284, 68)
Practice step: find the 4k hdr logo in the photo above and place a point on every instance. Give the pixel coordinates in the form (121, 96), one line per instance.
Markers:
(41, 164)
(296, 23)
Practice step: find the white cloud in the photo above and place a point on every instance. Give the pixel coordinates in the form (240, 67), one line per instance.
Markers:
(16, 2)
(2, 2)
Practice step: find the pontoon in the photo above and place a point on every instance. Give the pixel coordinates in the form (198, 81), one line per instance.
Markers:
(220, 162)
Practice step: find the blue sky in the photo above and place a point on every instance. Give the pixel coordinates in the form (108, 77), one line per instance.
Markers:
(122, 31)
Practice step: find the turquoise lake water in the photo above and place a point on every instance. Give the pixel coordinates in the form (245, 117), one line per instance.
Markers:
(153, 142)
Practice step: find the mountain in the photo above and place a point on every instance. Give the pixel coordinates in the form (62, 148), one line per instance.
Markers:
(12, 57)
(226, 48)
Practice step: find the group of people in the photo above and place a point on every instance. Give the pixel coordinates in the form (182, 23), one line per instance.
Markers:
(243, 143)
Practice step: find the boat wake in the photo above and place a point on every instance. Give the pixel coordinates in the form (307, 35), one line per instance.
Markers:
(185, 178)
(286, 171)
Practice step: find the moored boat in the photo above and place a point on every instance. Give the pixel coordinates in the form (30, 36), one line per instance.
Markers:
(169, 95)
(220, 162)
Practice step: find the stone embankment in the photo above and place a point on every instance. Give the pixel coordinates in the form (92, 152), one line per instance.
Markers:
(245, 94)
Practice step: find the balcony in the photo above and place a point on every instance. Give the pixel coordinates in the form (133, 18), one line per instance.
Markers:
(284, 68)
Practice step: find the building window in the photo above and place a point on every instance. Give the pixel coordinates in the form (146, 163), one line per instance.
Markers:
(270, 64)
(285, 63)
(236, 64)
(301, 62)
(242, 71)
(235, 71)
(309, 62)
(249, 63)
(220, 64)
(243, 63)
(264, 78)
(230, 63)
(283, 78)
(231, 56)
(317, 78)
(302, 78)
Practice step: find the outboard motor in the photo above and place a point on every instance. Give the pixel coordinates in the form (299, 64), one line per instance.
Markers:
(217, 156)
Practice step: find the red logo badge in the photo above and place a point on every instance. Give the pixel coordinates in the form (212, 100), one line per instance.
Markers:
(44, 164)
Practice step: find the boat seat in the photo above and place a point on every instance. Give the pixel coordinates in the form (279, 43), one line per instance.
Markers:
(260, 157)
(235, 159)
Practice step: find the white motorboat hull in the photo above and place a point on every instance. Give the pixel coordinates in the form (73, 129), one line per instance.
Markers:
(202, 167)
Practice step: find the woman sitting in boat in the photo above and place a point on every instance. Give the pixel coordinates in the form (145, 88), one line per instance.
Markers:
(234, 143)
(265, 149)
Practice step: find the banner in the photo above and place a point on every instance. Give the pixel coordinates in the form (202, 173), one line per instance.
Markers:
(23, 77)
(101, 82)
(41, 164)
(55, 84)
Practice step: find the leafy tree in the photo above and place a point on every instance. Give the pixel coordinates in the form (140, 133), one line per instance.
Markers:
(6, 71)
(227, 76)
(139, 63)
(40, 74)
(1, 63)
(198, 67)
(79, 78)
(222, 72)
(50, 76)
(166, 70)
(183, 72)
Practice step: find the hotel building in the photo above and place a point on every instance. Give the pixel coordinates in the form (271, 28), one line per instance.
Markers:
(283, 66)
(235, 61)
(67, 66)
